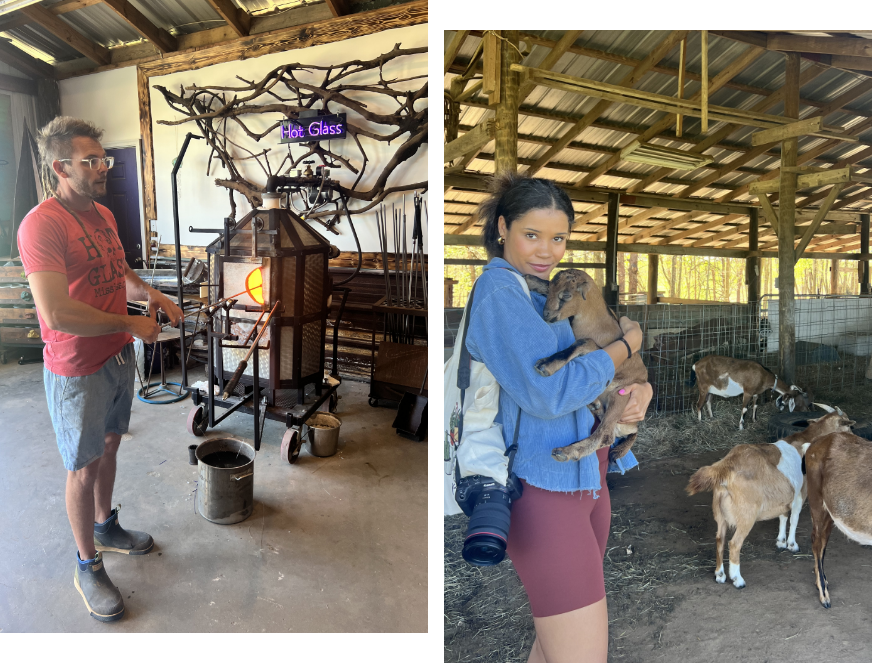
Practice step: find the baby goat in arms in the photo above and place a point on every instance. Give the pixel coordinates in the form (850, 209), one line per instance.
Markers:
(758, 482)
(725, 376)
(573, 294)
(837, 471)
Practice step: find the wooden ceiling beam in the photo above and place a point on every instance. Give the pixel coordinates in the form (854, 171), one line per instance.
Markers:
(238, 19)
(630, 80)
(23, 62)
(162, 39)
(731, 70)
(549, 61)
(663, 69)
(849, 46)
(17, 84)
(454, 46)
(65, 32)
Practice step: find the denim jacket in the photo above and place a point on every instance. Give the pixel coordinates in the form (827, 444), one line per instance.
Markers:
(508, 334)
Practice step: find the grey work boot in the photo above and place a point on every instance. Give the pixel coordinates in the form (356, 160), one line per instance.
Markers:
(109, 536)
(101, 597)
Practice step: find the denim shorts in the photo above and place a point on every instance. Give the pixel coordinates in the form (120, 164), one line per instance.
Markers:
(84, 409)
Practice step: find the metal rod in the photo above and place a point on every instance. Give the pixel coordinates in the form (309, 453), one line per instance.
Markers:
(257, 322)
(181, 302)
(244, 363)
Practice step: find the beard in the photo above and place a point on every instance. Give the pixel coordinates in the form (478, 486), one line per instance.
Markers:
(87, 188)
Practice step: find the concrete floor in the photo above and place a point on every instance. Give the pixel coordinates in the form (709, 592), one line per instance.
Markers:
(334, 544)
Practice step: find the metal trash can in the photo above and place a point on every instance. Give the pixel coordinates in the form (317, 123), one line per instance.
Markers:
(225, 488)
(323, 434)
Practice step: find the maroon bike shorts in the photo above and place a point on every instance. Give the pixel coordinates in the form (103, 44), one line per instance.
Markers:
(557, 542)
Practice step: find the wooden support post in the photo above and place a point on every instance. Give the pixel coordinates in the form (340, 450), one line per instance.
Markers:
(653, 269)
(506, 150)
(864, 248)
(752, 265)
(834, 276)
(705, 82)
(610, 290)
(682, 61)
(786, 234)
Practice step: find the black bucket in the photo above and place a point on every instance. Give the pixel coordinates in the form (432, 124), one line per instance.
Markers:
(225, 488)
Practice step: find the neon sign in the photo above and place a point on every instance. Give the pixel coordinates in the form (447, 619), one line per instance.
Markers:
(312, 129)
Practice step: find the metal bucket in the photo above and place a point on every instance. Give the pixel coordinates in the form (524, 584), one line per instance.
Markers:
(323, 434)
(225, 490)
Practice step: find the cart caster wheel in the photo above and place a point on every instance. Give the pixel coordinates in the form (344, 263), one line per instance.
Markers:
(291, 445)
(197, 422)
(373, 402)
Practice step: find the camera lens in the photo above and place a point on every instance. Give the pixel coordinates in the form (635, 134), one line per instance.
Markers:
(488, 530)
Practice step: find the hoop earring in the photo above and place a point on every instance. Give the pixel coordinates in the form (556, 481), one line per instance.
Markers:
(501, 240)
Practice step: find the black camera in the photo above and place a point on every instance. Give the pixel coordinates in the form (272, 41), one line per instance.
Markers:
(488, 505)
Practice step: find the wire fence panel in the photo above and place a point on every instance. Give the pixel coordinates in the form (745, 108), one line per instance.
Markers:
(833, 342)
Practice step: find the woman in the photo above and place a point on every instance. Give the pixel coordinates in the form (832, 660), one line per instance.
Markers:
(560, 524)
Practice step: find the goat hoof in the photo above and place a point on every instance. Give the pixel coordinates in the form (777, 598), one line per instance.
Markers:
(559, 455)
(793, 547)
(720, 577)
(781, 544)
(739, 582)
(542, 368)
(826, 604)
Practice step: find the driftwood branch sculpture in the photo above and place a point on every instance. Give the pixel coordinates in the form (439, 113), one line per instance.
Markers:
(212, 107)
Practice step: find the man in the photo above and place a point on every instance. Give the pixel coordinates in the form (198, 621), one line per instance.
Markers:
(81, 283)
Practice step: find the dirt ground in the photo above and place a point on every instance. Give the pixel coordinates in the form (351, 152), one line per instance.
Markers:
(663, 600)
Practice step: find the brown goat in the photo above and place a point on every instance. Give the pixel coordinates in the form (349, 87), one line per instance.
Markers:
(726, 376)
(573, 294)
(756, 482)
(837, 472)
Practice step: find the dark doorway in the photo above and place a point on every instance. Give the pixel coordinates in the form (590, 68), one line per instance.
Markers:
(122, 198)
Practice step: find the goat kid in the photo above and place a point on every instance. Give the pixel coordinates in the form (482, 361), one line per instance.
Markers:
(726, 376)
(573, 294)
(837, 472)
(756, 482)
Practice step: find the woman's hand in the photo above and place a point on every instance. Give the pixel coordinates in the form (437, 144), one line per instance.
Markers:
(632, 333)
(640, 396)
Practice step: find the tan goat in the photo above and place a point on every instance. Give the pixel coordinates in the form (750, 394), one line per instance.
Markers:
(759, 482)
(837, 472)
(726, 376)
(573, 294)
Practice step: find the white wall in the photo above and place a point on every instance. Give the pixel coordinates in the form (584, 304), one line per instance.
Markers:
(109, 99)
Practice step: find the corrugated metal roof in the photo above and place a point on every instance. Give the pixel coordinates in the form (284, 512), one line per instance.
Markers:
(765, 74)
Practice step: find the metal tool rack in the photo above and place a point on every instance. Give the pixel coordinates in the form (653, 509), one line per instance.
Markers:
(391, 387)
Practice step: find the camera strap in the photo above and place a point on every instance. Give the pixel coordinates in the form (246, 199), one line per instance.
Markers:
(464, 372)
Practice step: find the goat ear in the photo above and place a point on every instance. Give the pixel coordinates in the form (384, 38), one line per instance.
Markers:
(779, 402)
(848, 422)
(791, 404)
(583, 289)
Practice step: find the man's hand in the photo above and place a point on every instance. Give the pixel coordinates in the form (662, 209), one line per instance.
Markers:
(640, 396)
(144, 327)
(158, 300)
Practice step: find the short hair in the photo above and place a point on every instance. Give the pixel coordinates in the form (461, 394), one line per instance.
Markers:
(512, 196)
(55, 141)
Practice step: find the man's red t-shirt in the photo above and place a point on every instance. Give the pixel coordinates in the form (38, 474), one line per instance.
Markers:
(51, 240)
